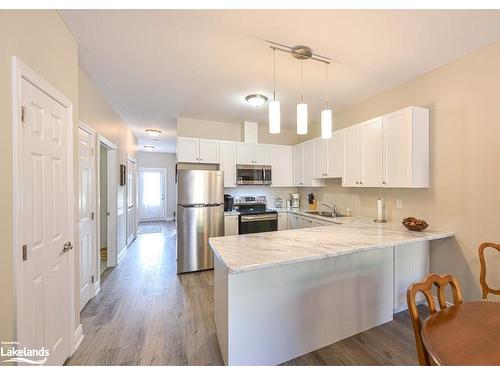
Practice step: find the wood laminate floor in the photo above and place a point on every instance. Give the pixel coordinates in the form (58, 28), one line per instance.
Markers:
(146, 314)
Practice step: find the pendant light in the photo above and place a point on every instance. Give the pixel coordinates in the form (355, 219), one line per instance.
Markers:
(326, 114)
(301, 107)
(274, 105)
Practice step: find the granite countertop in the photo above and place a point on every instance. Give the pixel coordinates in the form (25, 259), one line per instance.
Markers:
(250, 252)
(231, 213)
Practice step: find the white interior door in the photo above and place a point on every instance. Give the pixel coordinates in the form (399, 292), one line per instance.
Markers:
(86, 213)
(45, 317)
(131, 201)
(151, 194)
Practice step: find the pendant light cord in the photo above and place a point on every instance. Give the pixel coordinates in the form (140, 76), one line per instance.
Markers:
(326, 85)
(274, 74)
(301, 81)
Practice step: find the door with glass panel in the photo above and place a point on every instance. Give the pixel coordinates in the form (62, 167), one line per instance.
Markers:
(151, 194)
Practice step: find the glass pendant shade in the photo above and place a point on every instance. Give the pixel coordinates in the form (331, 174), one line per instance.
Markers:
(326, 124)
(274, 117)
(302, 118)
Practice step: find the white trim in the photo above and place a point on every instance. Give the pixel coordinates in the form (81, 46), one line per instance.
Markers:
(139, 206)
(22, 71)
(122, 253)
(78, 337)
(134, 161)
(112, 207)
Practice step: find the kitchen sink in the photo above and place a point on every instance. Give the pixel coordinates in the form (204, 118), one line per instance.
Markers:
(325, 214)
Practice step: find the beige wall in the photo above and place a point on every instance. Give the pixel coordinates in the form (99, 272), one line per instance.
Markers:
(42, 41)
(463, 98)
(167, 161)
(187, 127)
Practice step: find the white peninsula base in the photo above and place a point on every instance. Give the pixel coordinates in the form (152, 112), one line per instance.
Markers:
(271, 315)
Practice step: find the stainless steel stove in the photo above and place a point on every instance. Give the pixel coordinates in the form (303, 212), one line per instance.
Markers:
(254, 216)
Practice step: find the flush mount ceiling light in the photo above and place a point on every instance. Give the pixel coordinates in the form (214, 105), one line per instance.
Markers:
(148, 147)
(153, 132)
(256, 100)
(302, 53)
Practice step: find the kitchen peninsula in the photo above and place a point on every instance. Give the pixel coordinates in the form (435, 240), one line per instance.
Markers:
(279, 295)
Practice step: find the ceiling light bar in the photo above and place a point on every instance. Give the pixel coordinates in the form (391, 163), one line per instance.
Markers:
(299, 52)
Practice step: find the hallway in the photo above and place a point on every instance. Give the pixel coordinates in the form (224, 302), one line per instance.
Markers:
(146, 314)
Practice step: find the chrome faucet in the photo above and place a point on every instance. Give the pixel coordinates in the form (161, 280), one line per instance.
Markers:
(332, 208)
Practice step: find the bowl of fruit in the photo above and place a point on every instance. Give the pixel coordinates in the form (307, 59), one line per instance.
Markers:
(412, 223)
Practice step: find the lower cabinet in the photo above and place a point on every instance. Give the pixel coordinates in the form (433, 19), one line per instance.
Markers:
(282, 221)
(293, 221)
(230, 225)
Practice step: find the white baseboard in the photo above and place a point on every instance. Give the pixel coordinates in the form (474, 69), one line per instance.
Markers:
(170, 218)
(77, 337)
(121, 254)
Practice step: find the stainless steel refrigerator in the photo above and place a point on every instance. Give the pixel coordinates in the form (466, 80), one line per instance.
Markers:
(200, 215)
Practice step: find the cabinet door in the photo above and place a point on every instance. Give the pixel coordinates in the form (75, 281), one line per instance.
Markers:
(244, 153)
(352, 150)
(187, 150)
(371, 153)
(336, 155)
(306, 222)
(230, 225)
(397, 129)
(209, 151)
(298, 165)
(282, 225)
(308, 163)
(320, 147)
(262, 154)
(227, 162)
(282, 165)
(293, 221)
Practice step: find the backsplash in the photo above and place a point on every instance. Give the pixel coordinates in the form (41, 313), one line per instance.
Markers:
(271, 193)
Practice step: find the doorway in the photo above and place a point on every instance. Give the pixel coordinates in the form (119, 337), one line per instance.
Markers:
(131, 200)
(107, 211)
(152, 193)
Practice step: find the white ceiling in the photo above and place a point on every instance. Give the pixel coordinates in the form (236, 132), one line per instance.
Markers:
(154, 66)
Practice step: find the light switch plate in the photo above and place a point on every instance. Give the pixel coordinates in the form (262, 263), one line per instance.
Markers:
(399, 203)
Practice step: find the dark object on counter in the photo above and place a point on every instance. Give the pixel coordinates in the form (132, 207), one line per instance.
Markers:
(412, 223)
(228, 202)
(311, 198)
(123, 175)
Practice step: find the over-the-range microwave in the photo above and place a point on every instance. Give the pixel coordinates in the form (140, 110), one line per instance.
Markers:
(248, 174)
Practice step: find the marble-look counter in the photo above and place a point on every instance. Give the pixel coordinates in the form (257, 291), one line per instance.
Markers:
(231, 213)
(270, 249)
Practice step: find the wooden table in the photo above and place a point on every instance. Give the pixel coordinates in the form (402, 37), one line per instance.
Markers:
(466, 334)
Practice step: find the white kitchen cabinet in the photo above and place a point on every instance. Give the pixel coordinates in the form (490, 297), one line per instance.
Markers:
(227, 162)
(244, 153)
(306, 222)
(352, 151)
(282, 220)
(253, 153)
(230, 225)
(262, 154)
(187, 149)
(282, 165)
(293, 221)
(336, 155)
(320, 151)
(406, 148)
(197, 150)
(308, 168)
(371, 153)
(298, 164)
(209, 151)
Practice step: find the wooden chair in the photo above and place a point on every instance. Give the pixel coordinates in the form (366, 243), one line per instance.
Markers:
(482, 277)
(425, 287)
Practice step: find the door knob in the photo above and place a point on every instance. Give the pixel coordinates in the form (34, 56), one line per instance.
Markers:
(67, 247)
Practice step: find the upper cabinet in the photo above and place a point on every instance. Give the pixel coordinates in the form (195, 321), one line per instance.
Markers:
(320, 158)
(281, 165)
(227, 162)
(335, 166)
(197, 150)
(406, 148)
(253, 153)
(298, 164)
(303, 159)
(388, 151)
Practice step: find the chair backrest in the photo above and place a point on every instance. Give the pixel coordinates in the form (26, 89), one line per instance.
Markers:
(425, 287)
(482, 276)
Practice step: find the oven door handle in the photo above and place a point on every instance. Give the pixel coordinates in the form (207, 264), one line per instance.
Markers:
(263, 217)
